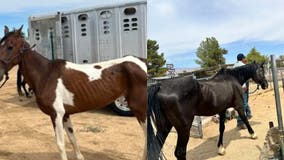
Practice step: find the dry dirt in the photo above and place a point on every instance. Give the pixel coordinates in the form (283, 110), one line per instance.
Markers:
(27, 134)
(237, 142)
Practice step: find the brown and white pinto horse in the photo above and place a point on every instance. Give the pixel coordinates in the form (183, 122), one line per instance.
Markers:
(62, 88)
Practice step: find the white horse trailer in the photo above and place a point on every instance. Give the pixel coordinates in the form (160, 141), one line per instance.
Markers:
(92, 35)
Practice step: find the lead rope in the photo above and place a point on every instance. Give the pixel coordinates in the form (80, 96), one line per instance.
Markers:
(257, 88)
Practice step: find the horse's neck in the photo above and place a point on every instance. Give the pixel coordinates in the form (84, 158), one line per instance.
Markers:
(242, 74)
(35, 68)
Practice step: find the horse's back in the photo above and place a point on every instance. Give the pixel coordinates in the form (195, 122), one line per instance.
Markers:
(179, 95)
(179, 85)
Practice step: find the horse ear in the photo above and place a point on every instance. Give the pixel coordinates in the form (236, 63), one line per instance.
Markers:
(6, 30)
(19, 31)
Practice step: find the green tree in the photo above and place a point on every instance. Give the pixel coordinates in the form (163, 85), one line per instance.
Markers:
(256, 56)
(280, 61)
(210, 54)
(155, 61)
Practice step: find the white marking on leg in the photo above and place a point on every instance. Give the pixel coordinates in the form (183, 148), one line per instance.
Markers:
(70, 132)
(60, 111)
(144, 128)
(95, 74)
(221, 150)
(253, 136)
(60, 136)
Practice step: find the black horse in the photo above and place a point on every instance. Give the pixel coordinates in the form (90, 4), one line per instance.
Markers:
(21, 83)
(175, 102)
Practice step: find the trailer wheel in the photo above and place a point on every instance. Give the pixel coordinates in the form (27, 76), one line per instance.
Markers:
(120, 106)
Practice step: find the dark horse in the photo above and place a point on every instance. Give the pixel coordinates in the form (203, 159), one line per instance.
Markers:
(175, 102)
(21, 83)
(62, 88)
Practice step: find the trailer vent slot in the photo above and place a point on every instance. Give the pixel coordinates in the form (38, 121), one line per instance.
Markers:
(129, 11)
(37, 35)
(63, 20)
(83, 17)
(105, 14)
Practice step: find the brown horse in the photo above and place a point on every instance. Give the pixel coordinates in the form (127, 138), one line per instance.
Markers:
(62, 88)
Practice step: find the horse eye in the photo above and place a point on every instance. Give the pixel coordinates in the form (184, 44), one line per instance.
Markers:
(10, 48)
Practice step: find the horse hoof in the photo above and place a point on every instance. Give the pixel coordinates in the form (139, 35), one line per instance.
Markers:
(253, 136)
(80, 157)
(221, 150)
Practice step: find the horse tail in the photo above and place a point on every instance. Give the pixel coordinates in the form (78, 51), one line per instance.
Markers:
(154, 114)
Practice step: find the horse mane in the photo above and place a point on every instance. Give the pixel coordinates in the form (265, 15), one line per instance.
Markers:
(8, 35)
(241, 73)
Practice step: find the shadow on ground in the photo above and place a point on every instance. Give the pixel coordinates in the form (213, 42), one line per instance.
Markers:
(208, 149)
(107, 155)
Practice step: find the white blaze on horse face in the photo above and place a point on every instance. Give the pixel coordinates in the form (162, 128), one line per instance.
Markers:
(95, 74)
(62, 92)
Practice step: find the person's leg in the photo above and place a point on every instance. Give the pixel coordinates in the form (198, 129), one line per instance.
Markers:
(240, 123)
(247, 107)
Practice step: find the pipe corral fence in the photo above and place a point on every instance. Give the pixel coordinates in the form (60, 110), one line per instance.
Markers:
(278, 103)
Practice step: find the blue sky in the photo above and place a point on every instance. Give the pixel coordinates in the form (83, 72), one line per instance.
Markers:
(239, 25)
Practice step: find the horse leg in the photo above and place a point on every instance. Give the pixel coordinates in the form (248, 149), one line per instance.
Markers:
(19, 82)
(182, 140)
(161, 136)
(57, 121)
(70, 133)
(137, 103)
(221, 149)
(144, 128)
(25, 90)
(245, 120)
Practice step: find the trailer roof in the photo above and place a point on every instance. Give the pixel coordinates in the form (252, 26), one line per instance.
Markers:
(96, 7)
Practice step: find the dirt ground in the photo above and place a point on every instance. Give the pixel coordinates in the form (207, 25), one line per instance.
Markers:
(27, 134)
(237, 142)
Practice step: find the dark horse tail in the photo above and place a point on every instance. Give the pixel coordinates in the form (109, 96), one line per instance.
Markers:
(154, 117)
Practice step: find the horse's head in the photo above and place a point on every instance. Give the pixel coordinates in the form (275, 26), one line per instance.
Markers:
(11, 46)
(259, 76)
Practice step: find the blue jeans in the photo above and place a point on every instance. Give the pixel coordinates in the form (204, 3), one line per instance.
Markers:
(247, 110)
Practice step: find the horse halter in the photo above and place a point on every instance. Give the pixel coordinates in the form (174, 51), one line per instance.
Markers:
(22, 51)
